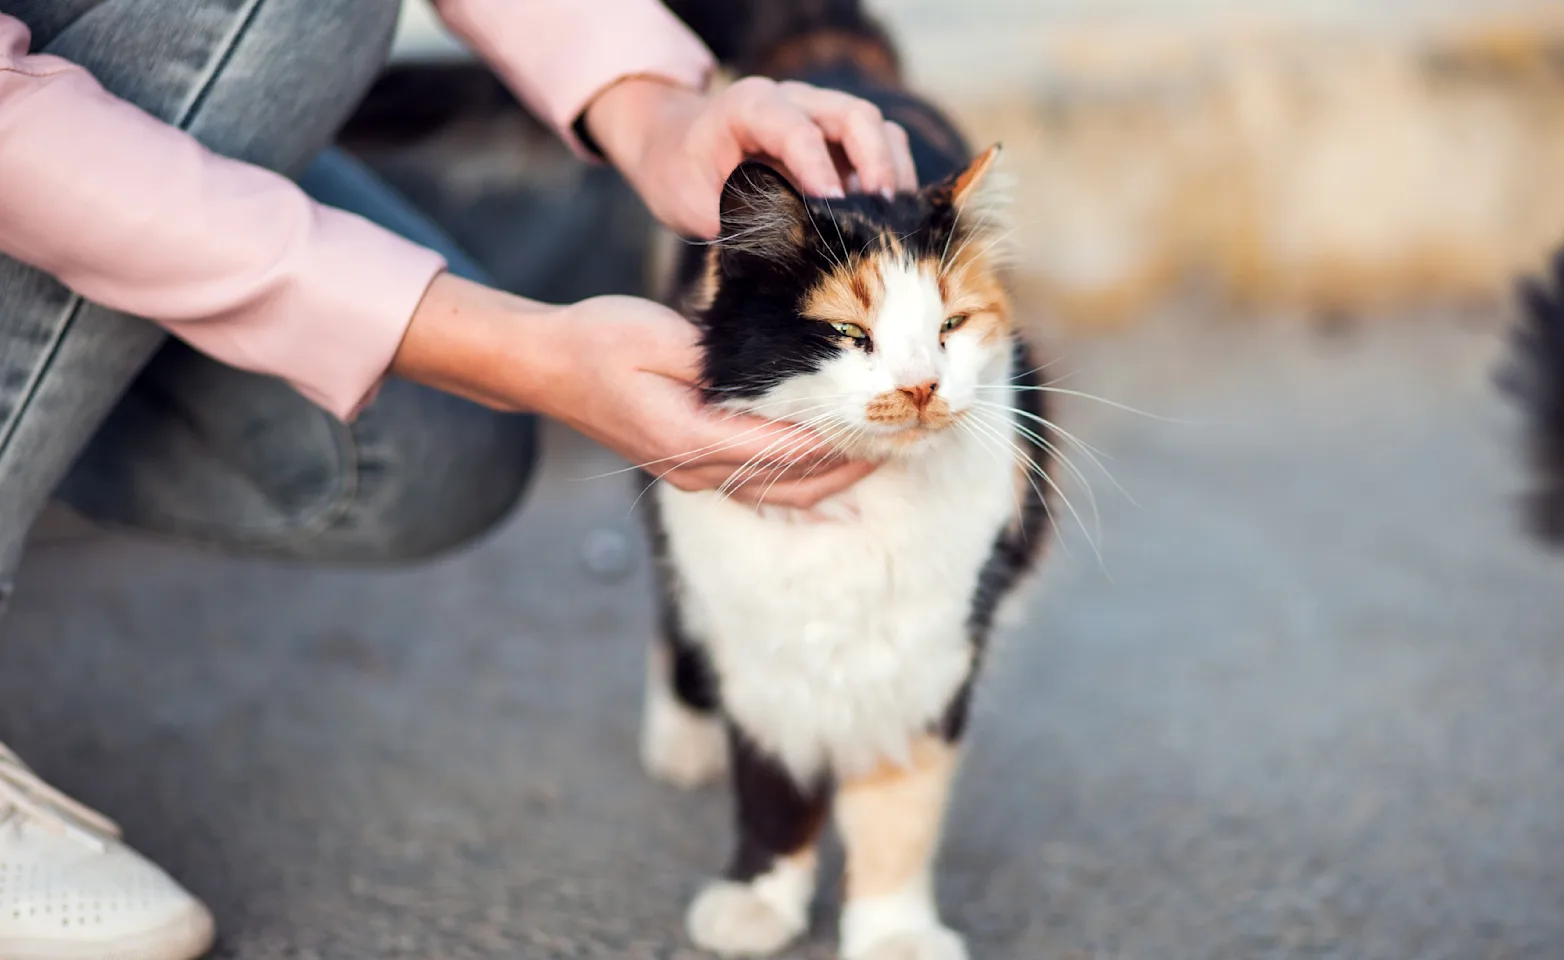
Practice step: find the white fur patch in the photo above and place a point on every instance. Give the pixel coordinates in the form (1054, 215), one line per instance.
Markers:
(758, 918)
(839, 642)
(678, 745)
(901, 926)
(906, 327)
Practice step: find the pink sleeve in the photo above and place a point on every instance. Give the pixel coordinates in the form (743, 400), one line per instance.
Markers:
(556, 55)
(136, 215)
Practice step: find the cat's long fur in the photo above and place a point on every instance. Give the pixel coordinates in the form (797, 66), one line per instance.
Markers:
(828, 661)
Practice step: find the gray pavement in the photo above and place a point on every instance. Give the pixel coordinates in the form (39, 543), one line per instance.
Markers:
(1309, 704)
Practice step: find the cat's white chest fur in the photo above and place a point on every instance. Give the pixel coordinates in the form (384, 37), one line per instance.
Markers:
(837, 642)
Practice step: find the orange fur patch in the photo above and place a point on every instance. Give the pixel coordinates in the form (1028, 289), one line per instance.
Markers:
(891, 819)
(899, 406)
(847, 294)
(703, 292)
(972, 177)
(971, 284)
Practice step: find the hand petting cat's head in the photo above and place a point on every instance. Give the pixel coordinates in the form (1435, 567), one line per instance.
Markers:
(881, 322)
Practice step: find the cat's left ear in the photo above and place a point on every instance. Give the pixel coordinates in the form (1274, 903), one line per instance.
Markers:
(763, 216)
(974, 187)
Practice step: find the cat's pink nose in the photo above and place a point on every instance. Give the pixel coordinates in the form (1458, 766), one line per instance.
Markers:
(921, 394)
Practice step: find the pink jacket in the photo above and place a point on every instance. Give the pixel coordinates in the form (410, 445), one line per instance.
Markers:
(236, 260)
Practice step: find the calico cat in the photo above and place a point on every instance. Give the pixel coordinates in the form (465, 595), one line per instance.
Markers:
(827, 661)
(1534, 377)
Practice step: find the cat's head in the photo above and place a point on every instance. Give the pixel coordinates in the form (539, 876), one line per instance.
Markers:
(882, 322)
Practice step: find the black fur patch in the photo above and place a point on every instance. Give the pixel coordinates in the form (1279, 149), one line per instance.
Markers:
(1534, 378)
(776, 817)
(694, 677)
(779, 245)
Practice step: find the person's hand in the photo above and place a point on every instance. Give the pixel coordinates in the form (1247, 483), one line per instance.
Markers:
(677, 147)
(622, 371)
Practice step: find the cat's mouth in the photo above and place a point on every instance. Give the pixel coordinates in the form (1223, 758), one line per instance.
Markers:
(916, 426)
(912, 411)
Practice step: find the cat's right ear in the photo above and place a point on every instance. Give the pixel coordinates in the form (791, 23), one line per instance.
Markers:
(763, 216)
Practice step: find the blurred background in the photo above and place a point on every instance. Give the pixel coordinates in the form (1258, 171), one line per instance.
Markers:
(1291, 686)
(1321, 156)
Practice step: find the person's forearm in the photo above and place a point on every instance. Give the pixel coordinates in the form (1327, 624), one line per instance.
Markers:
(488, 346)
(136, 215)
(557, 55)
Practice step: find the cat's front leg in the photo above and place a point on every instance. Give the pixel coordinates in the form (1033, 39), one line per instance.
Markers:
(762, 904)
(683, 739)
(890, 822)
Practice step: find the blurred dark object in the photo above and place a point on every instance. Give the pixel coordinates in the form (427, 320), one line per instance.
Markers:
(1534, 378)
(413, 103)
(762, 38)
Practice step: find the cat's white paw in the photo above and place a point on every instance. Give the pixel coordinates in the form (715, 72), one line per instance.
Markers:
(678, 745)
(736, 920)
(933, 943)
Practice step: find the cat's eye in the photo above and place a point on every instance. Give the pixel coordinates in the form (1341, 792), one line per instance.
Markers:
(953, 323)
(851, 330)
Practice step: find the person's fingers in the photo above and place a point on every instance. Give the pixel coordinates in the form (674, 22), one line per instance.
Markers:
(693, 478)
(767, 123)
(806, 491)
(732, 442)
(731, 478)
(858, 126)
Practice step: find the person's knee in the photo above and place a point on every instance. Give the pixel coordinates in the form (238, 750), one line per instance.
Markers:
(454, 493)
(488, 480)
(269, 83)
(295, 76)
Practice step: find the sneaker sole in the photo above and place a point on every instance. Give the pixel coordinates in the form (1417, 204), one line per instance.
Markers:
(186, 937)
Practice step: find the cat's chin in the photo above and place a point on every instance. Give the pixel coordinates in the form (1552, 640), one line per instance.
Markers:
(894, 443)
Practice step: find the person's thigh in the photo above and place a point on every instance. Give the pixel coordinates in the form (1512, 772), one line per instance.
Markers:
(209, 454)
(266, 81)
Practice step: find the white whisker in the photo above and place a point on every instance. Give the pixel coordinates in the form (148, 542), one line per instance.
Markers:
(1091, 452)
(1112, 403)
(1028, 470)
(834, 454)
(1054, 451)
(1042, 474)
(843, 240)
(819, 233)
(997, 454)
(699, 453)
(797, 432)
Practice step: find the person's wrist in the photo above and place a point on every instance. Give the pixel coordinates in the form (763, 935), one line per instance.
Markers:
(479, 343)
(623, 119)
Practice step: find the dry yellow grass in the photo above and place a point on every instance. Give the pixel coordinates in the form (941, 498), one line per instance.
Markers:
(1296, 169)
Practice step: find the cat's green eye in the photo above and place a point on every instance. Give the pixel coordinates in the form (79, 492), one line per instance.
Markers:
(953, 323)
(851, 330)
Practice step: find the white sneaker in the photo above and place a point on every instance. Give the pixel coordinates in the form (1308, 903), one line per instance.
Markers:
(70, 890)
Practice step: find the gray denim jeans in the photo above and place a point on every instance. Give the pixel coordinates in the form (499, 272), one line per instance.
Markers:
(136, 430)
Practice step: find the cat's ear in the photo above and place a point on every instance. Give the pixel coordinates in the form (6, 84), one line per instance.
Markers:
(762, 215)
(975, 188)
